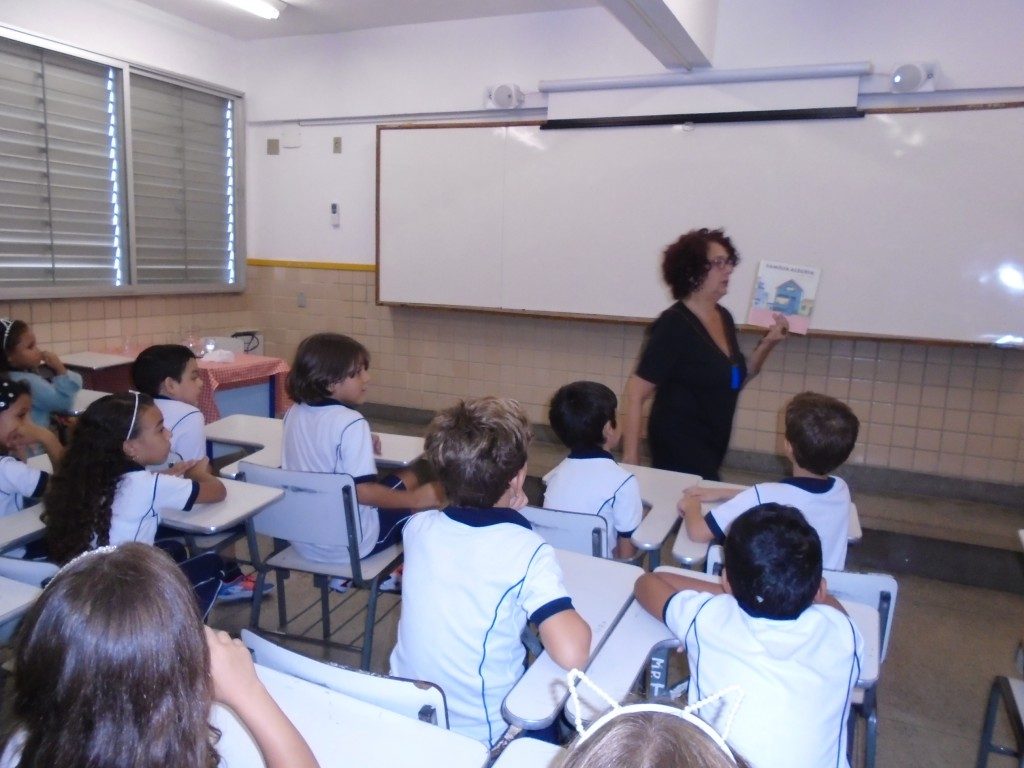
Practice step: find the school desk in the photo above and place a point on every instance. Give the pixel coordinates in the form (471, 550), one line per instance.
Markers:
(244, 371)
(692, 553)
(243, 500)
(84, 398)
(21, 527)
(101, 370)
(530, 753)
(345, 731)
(637, 635)
(266, 435)
(600, 590)
(661, 489)
(15, 598)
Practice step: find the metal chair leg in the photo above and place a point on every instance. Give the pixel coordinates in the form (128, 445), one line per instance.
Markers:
(371, 618)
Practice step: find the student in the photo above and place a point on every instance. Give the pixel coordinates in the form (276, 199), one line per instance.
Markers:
(102, 492)
(475, 573)
(323, 433)
(582, 414)
(113, 666)
(169, 373)
(820, 434)
(19, 481)
(22, 360)
(771, 628)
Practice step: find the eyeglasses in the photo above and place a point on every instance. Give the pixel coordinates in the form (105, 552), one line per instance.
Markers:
(721, 262)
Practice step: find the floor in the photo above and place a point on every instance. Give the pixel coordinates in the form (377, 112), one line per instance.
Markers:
(959, 614)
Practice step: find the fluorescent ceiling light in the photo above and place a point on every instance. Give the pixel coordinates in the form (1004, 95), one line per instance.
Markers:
(265, 9)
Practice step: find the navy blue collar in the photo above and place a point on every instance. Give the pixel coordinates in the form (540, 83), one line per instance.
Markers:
(811, 484)
(475, 517)
(590, 453)
(327, 402)
(131, 466)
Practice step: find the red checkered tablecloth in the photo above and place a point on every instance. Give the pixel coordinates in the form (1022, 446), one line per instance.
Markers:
(244, 371)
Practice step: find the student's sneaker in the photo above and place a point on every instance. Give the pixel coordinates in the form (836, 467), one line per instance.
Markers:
(242, 588)
(392, 584)
(338, 584)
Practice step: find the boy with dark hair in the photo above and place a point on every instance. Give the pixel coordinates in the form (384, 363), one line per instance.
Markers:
(169, 373)
(820, 434)
(475, 572)
(771, 628)
(589, 480)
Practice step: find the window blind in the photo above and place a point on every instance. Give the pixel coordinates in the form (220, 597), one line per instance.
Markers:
(183, 183)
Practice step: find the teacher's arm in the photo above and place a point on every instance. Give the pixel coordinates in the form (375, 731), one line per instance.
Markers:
(638, 391)
(767, 343)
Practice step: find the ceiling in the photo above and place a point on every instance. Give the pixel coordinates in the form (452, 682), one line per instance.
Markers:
(311, 17)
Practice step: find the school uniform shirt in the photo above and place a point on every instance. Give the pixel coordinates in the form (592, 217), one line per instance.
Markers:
(472, 579)
(49, 396)
(141, 494)
(592, 482)
(18, 481)
(186, 424)
(825, 503)
(796, 675)
(331, 437)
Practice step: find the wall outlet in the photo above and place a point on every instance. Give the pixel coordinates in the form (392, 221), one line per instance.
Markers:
(336, 145)
(273, 146)
(300, 300)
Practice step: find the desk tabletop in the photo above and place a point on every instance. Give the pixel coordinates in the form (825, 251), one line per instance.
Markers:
(84, 398)
(21, 527)
(95, 361)
(600, 591)
(661, 489)
(243, 501)
(15, 598)
(344, 731)
(530, 753)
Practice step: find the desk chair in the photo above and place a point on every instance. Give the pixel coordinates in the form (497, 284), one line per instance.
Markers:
(875, 589)
(29, 572)
(322, 507)
(412, 698)
(579, 532)
(1011, 692)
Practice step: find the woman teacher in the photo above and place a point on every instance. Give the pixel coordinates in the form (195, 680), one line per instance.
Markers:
(691, 361)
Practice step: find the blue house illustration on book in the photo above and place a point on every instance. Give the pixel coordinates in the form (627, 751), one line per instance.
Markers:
(788, 297)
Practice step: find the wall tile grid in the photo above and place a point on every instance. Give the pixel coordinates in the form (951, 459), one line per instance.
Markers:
(944, 410)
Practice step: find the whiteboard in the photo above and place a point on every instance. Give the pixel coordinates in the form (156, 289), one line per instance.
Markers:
(915, 219)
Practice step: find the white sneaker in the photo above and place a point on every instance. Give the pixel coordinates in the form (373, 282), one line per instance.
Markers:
(338, 584)
(392, 584)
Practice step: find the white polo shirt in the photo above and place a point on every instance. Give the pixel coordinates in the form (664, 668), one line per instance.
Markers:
(331, 437)
(186, 424)
(825, 503)
(472, 579)
(796, 675)
(592, 482)
(17, 481)
(141, 494)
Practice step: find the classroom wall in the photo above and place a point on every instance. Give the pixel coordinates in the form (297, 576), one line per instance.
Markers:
(953, 411)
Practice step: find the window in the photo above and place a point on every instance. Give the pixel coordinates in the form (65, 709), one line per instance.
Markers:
(80, 214)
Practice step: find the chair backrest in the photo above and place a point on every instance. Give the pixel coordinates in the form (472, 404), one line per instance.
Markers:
(575, 531)
(411, 698)
(309, 509)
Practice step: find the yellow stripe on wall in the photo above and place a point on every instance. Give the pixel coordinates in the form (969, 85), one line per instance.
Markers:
(340, 266)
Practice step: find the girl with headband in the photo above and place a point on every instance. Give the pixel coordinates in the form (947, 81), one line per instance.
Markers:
(103, 494)
(22, 360)
(19, 481)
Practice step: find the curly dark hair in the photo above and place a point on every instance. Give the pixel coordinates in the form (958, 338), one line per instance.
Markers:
(112, 667)
(80, 494)
(684, 264)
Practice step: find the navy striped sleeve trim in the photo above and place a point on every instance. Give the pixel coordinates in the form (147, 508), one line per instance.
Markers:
(192, 496)
(548, 610)
(365, 479)
(716, 529)
(44, 478)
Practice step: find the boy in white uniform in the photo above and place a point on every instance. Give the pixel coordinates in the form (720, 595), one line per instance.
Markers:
(589, 480)
(771, 628)
(169, 373)
(820, 434)
(475, 573)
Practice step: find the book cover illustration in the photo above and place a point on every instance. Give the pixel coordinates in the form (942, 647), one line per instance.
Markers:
(788, 289)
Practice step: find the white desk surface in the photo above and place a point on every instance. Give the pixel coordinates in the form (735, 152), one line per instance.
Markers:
(15, 598)
(243, 501)
(344, 731)
(600, 591)
(21, 527)
(83, 399)
(266, 435)
(691, 553)
(661, 489)
(95, 360)
(530, 753)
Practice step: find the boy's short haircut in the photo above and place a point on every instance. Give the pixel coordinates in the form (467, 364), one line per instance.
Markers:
(321, 360)
(821, 430)
(477, 447)
(158, 362)
(579, 412)
(773, 561)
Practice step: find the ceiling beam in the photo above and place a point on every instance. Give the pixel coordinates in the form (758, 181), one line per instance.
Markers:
(680, 33)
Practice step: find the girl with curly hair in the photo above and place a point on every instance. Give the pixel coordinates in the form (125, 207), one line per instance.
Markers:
(102, 492)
